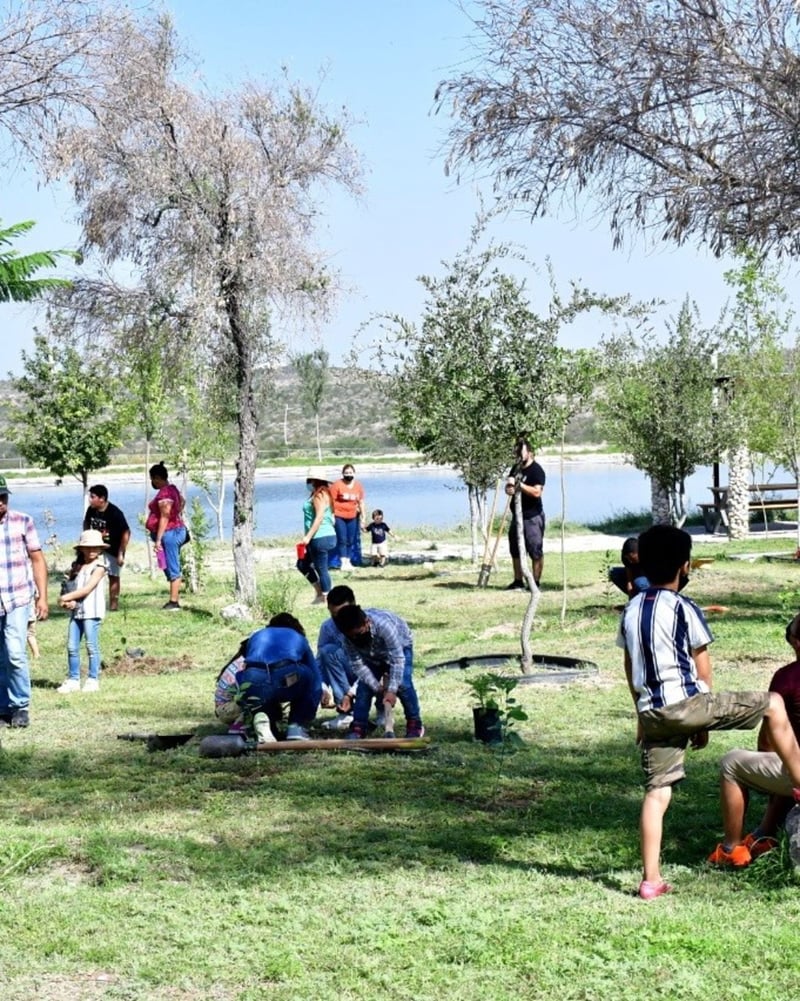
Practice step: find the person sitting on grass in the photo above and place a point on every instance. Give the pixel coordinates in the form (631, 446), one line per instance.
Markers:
(762, 770)
(668, 669)
(380, 647)
(629, 578)
(280, 667)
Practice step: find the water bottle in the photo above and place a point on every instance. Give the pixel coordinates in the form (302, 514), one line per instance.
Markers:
(161, 558)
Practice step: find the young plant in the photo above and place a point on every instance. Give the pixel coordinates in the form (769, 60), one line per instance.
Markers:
(492, 692)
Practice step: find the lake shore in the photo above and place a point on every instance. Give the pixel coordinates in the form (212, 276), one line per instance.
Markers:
(405, 464)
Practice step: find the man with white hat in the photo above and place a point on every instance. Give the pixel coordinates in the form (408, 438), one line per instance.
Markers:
(23, 573)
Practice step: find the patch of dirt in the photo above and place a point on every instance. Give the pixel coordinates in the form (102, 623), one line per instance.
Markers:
(150, 665)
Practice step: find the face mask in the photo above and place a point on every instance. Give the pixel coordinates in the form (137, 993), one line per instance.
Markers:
(361, 639)
(683, 580)
(348, 478)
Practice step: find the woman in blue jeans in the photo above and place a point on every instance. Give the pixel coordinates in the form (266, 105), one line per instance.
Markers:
(167, 530)
(319, 537)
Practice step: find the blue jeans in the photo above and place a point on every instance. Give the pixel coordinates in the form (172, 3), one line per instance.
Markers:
(318, 552)
(334, 665)
(171, 542)
(268, 689)
(90, 629)
(346, 535)
(406, 695)
(15, 679)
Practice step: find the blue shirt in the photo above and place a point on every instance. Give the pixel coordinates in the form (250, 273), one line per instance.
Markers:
(278, 643)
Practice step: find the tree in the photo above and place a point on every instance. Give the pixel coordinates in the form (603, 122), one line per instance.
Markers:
(481, 368)
(754, 366)
(656, 404)
(51, 53)
(69, 419)
(17, 283)
(676, 117)
(213, 200)
(312, 368)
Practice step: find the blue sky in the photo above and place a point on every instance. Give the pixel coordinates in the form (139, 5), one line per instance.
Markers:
(382, 59)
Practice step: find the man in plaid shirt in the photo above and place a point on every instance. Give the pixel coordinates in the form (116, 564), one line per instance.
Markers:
(380, 647)
(22, 568)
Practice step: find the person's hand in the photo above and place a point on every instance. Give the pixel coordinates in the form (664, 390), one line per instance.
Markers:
(390, 698)
(639, 733)
(346, 704)
(699, 740)
(121, 559)
(327, 699)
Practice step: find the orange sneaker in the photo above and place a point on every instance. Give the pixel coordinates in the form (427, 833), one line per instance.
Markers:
(759, 846)
(738, 857)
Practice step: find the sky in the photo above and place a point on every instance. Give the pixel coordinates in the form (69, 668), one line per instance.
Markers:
(382, 60)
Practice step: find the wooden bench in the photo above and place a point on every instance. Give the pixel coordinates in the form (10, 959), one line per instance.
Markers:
(716, 512)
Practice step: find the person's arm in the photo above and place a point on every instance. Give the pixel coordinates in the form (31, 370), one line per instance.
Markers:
(123, 546)
(320, 506)
(39, 566)
(94, 579)
(360, 669)
(395, 655)
(634, 695)
(702, 663)
(764, 742)
(164, 511)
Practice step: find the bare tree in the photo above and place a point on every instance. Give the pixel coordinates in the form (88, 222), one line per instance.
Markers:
(212, 200)
(679, 117)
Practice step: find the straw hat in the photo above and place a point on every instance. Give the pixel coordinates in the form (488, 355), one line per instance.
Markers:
(90, 539)
(317, 473)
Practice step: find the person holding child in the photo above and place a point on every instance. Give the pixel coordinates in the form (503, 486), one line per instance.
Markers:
(87, 602)
(378, 530)
(665, 638)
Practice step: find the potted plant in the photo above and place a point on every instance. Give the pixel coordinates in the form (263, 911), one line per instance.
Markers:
(497, 710)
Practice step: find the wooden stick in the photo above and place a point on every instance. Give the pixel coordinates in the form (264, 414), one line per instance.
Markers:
(339, 744)
(486, 569)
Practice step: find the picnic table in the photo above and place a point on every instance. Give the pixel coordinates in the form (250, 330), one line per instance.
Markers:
(716, 512)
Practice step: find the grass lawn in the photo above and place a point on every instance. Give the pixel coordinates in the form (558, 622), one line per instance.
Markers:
(462, 873)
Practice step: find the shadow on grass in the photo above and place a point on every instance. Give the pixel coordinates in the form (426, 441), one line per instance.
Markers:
(566, 810)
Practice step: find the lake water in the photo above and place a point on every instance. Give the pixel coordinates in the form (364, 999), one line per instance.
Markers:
(409, 499)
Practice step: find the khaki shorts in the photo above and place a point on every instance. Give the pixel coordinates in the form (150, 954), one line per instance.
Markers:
(760, 770)
(667, 731)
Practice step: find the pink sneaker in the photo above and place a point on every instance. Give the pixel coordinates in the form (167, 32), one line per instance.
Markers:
(649, 891)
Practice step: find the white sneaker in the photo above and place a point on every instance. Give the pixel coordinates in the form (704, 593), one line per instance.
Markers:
(91, 685)
(264, 734)
(346, 564)
(69, 686)
(296, 732)
(340, 722)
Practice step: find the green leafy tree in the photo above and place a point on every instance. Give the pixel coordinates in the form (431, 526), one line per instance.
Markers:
(312, 368)
(68, 420)
(17, 283)
(480, 368)
(657, 404)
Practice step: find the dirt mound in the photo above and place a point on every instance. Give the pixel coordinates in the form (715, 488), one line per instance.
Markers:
(149, 665)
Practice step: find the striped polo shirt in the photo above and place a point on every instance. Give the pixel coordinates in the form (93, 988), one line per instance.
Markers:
(659, 629)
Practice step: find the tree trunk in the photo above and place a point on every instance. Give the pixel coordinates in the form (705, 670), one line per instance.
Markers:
(244, 484)
(474, 519)
(319, 445)
(659, 504)
(738, 491)
(563, 529)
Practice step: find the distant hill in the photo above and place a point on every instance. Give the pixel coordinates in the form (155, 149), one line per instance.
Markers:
(354, 417)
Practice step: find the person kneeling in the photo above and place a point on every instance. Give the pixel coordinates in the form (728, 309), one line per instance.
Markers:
(279, 667)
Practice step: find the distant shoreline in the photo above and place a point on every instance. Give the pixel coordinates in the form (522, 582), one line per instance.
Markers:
(549, 460)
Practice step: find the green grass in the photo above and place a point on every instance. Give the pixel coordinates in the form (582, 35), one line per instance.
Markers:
(456, 874)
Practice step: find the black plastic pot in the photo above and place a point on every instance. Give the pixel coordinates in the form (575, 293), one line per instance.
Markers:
(488, 727)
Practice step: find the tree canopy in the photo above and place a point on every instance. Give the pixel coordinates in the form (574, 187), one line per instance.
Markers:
(17, 283)
(679, 118)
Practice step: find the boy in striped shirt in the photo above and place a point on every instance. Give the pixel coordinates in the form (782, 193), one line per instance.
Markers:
(668, 668)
